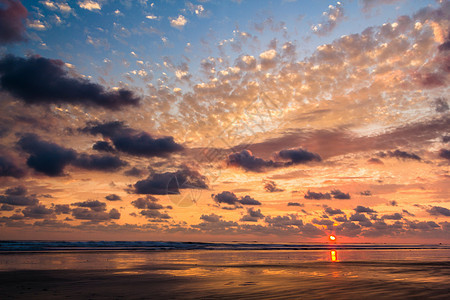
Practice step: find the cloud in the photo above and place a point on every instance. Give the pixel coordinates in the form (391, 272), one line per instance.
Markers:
(246, 160)
(363, 209)
(362, 219)
(298, 156)
(178, 22)
(9, 168)
(147, 203)
(395, 216)
(444, 153)
(441, 105)
(16, 191)
(212, 218)
(46, 157)
(94, 205)
(113, 197)
(62, 209)
(400, 155)
(332, 18)
(337, 194)
(51, 159)
(6, 207)
(95, 216)
(375, 161)
(18, 200)
(131, 141)
(135, 172)
(296, 204)
(252, 215)
(331, 212)
(155, 214)
(170, 182)
(317, 196)
(226, 197)
(247, 200)
(99, 162)
(12, 17)
(439, 211)
(38, 80)
(38, 212)
(103, 146)
(90, 5)
(271, 187)
(231, 199)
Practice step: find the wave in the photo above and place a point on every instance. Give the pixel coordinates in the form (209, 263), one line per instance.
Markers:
(38, 246)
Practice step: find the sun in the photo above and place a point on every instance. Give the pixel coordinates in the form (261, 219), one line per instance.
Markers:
(332, 238)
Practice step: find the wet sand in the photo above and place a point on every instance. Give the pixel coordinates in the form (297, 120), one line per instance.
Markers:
(225, 275)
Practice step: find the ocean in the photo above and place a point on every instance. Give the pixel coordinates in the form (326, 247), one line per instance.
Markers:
(177, 270)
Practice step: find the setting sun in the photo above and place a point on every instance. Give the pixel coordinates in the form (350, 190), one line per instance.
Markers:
(332, 238)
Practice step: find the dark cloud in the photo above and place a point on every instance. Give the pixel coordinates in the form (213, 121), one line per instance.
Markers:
(252, 215)
(94, 205)
(231, 199)
(113, 197)
(62, 209)
(363, 209)
(6, 207)
(12, 18)
(283, 221)
(375, 161)
(99, 162)
(9, 168)
(324, 222)
(147, 203)
(400, 155)
(337, 194)
(444, 153)
(439, 211)
(132, 141)
(296, 204)
(171, 182)
(393, 203)
(51, 159)
(362, 219)
(446, 138)
(441, 105)
(226, 197)
(16, 191)
(135, 172)
(18, 200)
(103, 146)
(94, 215)
(38, 212)
(395, 216)
(332, 212)
(38, 80)
(408, 213)
(212, 218)
(317, 196)
(46, 157)
(247, 200)
(366, 193)
(271, 187)
(298, 156)
(155, 214)
(246, 160)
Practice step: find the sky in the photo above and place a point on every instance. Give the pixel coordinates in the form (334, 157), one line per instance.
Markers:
(269, 121)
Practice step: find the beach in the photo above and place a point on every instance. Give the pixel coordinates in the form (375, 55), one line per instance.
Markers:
(226, 274)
